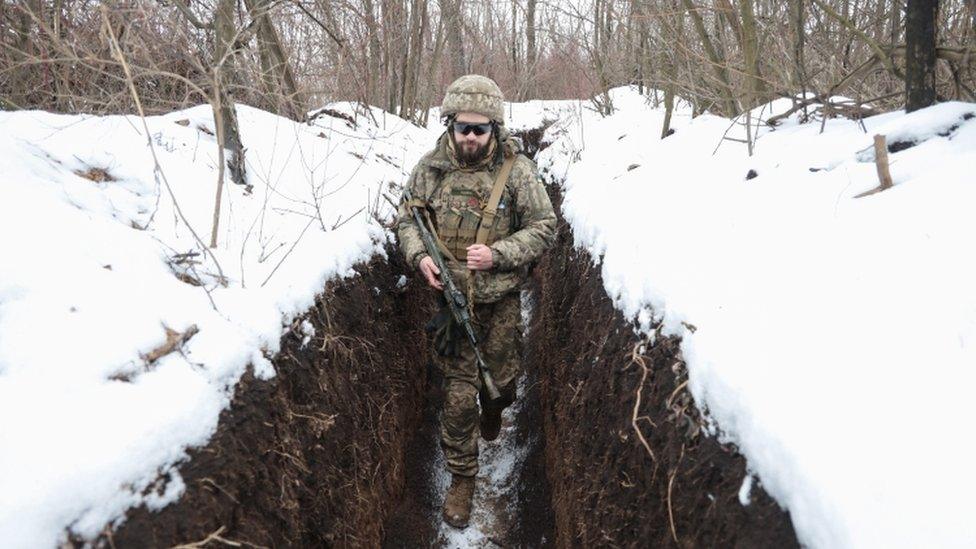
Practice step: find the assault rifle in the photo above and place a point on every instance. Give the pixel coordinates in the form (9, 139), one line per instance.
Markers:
(456, 301)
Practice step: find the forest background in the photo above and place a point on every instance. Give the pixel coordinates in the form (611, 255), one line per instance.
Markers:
(293, 56)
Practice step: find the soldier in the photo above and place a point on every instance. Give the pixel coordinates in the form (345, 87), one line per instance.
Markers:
(455, 182)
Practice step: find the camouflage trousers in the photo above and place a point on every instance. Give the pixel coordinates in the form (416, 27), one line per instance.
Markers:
(499, 331)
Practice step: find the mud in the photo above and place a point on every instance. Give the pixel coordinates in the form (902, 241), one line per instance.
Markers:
(604, 392)
(314, 457)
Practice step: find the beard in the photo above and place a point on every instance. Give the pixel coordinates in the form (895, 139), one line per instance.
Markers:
(472, 153)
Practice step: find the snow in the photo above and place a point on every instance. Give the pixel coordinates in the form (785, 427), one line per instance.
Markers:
(834, 338)
(93, 277)
(745, 491)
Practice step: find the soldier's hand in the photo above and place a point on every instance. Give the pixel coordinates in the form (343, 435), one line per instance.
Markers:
(479, 257)
(430, 272)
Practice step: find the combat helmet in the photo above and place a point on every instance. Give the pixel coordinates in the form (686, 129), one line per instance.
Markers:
(474, 93)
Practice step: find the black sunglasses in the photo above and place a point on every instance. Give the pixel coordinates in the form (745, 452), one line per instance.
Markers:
(464, 128)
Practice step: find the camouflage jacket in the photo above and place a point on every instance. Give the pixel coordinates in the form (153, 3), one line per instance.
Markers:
(526, 226)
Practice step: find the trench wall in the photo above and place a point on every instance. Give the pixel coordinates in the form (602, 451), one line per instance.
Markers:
(313, 457)
(625, 456)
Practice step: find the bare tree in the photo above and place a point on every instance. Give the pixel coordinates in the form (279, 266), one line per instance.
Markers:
(920, 56)
(455, 42)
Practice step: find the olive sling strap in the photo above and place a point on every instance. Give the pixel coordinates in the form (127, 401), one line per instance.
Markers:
(488, 215)
(491, 208)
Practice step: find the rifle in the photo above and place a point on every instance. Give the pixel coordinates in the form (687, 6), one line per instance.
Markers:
(456, 301)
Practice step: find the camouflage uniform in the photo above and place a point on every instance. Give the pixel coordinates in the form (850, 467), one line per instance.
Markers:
(523, 230)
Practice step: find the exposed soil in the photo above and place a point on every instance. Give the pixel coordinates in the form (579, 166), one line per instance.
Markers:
(414, 521)
(341, 447)
(314, 457)
(595, 377)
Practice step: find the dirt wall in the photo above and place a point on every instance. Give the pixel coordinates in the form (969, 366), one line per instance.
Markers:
(313, 457)
(604, 393)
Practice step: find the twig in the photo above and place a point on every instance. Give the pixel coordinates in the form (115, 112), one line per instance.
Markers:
(674, 473)
(174, 340)
(284, 257)
(338, 224)
(157, 169)
(221, 137)
(220, 488)
(214, 536)
(191, 17)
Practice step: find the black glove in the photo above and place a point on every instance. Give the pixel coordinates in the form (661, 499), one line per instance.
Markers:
(445, 331)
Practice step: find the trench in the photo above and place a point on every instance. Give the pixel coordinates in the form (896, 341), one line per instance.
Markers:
(313, 457)
(604, 447)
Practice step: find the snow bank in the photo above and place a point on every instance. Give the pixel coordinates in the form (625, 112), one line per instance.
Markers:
(100, 270)
(832, 339)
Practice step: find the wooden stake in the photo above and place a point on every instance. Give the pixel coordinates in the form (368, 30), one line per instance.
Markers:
(881, 163)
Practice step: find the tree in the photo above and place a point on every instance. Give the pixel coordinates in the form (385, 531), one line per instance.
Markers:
(224, 76)
(451, 10)
(276, 71)
(920, 55)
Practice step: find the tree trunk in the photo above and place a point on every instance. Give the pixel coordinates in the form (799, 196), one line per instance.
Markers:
(372, 95)
(431, 86)
(894, 22)
(750, 51)
(225, 114)
(451, 10)
(668, 110)
(530, 50)
(601, 37)
(797, 23)
(515, 45)
(274, 63)
(19, 87)
(392, 16)
(411, 77)
(920, 42)
(716, 62)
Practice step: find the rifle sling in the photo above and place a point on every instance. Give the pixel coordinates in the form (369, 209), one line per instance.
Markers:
(488, 215)
(490, 211)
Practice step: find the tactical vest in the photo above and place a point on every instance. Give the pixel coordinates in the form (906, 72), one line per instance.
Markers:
(466, 212)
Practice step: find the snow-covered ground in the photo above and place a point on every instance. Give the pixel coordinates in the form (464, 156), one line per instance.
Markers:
(832, 338)
(100, 269)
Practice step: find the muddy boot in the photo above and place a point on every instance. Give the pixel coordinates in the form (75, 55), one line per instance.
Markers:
(491, 422)
(457, 505)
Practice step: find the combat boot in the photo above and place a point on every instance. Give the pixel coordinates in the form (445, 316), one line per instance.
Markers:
(457, 504)
(491, 422)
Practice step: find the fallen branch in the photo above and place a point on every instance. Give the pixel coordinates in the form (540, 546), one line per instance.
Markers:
(848, 109)
(174, 340)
